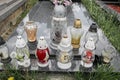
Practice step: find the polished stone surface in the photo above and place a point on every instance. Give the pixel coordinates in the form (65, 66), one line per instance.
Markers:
(41, 13)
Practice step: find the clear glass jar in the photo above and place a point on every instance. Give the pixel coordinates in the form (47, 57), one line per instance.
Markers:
(31, 30)
(108, 53)
(76, 33)
(58, 25)
(87, 58)
(92, 33)
(64, 55)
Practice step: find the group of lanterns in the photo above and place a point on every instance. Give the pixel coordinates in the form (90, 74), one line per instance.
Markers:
(59, 40)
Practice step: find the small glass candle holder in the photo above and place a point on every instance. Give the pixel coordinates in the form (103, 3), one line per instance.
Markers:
(108, 53)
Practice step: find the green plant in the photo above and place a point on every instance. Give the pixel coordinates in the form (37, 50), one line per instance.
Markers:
(21, 74)
(103, 72)
(106, 21)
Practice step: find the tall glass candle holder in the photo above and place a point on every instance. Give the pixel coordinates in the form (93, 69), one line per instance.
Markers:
(31, 30)
(76, 33)
(58, 25)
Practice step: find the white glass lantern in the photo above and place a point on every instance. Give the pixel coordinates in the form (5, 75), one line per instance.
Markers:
(92, 33)
(58, 25)
(4, 56)
(21, 53)
(31, 30)
(76, 33)
(64, 55)
(87, 59)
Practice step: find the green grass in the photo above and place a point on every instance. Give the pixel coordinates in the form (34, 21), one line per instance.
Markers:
(103, 72)
(106, 21)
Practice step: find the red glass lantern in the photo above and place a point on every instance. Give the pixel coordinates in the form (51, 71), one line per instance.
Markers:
(42, 52)
(87, 59)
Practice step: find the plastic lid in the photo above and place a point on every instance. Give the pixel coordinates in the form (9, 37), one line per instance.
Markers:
(93, 28)
(2, 41)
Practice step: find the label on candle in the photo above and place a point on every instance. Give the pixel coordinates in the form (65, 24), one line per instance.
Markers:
(64, 57)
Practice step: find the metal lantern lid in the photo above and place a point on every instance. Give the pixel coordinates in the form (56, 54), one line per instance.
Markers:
(93, 28)
(59, 11)
(2, 41)
(77, 23)
(20, 43)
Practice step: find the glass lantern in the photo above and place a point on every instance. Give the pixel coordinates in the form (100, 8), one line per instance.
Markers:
(64, 55)
(42, 52)
(58, 24)
(87, 59)
(31, 30)
(76, 33)
(92, 33)
(4, 55)
(21, 53)
(108, 53)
